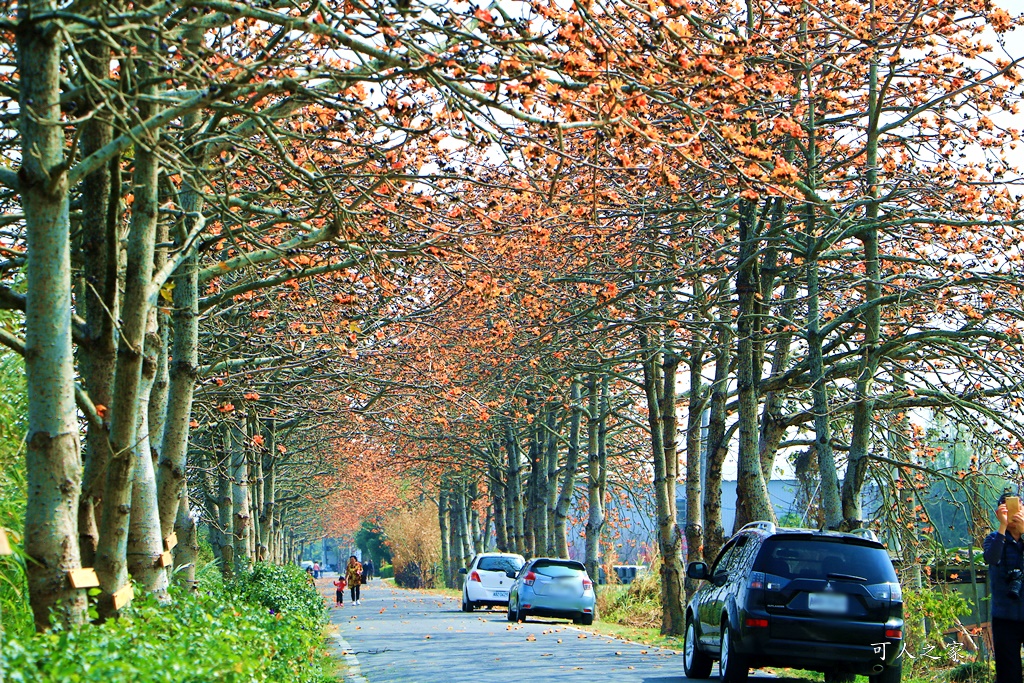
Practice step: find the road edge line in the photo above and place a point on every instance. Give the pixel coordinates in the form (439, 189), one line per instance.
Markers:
(354, 673)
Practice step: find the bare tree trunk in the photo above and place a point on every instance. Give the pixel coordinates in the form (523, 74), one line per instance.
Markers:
(550, 493)
(240, 499)
(446, 541)
(515, 492)
(597, 415)
(98, 294)
(536, 511)
(752, 502)
(456, 537)
(659, 385)
(497, 489)
(52, 459)
(773, 426)
(694, 509)
(717, 446)
(267, 529)
(225, 504)
(183, 367)
(863, 411)
(561, 515)
(464, 525)
(187, 549)
(111, 565)
(145, 542)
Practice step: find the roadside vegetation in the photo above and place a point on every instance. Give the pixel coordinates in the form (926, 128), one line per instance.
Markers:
(263, 626)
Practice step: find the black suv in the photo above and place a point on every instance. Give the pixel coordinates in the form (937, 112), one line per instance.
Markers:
(818, 600)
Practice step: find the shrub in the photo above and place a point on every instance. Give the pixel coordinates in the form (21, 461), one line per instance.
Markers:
(280, 589)
(220, 633)
(413, 536)
(409, 576)
(972, 672)
(637, 605)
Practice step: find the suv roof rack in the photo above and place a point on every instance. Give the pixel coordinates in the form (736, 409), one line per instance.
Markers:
(767, 526)
(866, 533)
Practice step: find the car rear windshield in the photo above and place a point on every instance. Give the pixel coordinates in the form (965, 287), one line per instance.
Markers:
(793, 558)
(555, 568)
(500, 564)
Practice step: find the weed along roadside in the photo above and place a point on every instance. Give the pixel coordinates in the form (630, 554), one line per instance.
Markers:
(263, 626)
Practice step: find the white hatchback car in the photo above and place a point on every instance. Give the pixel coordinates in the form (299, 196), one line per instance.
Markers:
(487, 582)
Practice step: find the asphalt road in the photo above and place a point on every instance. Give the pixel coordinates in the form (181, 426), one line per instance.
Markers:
(405, 636)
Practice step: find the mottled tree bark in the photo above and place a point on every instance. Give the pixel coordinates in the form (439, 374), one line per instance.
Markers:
(717, 446)
(53, 461)
(515, 492)
(694, 509)
(145, 542)
(596, 472)
(752, 502)
(568, 487)
(659, 385)
(98, 294)
(240, 499)
(111, 565)
(446, 543)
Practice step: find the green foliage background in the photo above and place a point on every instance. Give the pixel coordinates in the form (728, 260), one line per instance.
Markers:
(14, 612)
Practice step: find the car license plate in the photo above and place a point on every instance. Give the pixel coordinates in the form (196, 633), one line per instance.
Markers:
(833, 603)
(501, 594)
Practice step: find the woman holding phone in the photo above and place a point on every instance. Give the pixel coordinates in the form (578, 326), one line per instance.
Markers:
(1004, 553)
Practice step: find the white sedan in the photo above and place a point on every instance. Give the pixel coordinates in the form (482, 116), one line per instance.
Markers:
(487, 580)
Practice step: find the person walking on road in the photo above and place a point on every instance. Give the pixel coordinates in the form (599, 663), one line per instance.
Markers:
(339, 591)
(316, 570)
(354, 576)
(368, 569)
(1004, 553)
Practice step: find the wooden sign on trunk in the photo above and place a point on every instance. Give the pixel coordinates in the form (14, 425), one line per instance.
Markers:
(123, 596)
(165, 560)
(84, 578)
(171, 541)
(5, 546)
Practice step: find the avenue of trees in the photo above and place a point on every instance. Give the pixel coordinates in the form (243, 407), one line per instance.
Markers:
(275, 267)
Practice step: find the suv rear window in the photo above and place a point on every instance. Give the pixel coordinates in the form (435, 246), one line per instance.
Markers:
(796, 558)
(500, 564)
(554, 568)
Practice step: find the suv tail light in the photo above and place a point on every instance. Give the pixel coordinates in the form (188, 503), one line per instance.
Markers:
(893, 633)
(474, 576)
(756, 623)
(588, 585)
(529, 578)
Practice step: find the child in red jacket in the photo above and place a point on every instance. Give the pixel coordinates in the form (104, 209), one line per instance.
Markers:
(339, 591)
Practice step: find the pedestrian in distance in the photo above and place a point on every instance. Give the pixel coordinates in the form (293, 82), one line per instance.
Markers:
(1004, 554)
(368, 569)
(339, 591)
(310, 577)
(316, 570)
(354, 576)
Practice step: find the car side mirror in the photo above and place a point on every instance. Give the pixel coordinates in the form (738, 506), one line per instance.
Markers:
(720, 578)
(510, 574)
(697, 570)
(462, 570)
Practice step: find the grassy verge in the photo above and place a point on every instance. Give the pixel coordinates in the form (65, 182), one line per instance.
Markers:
(264, 627)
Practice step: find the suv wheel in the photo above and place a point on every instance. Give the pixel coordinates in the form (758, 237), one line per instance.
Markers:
(890, 674)
(696, 664)
(511, 616)
(732, 666)
(467, 606)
